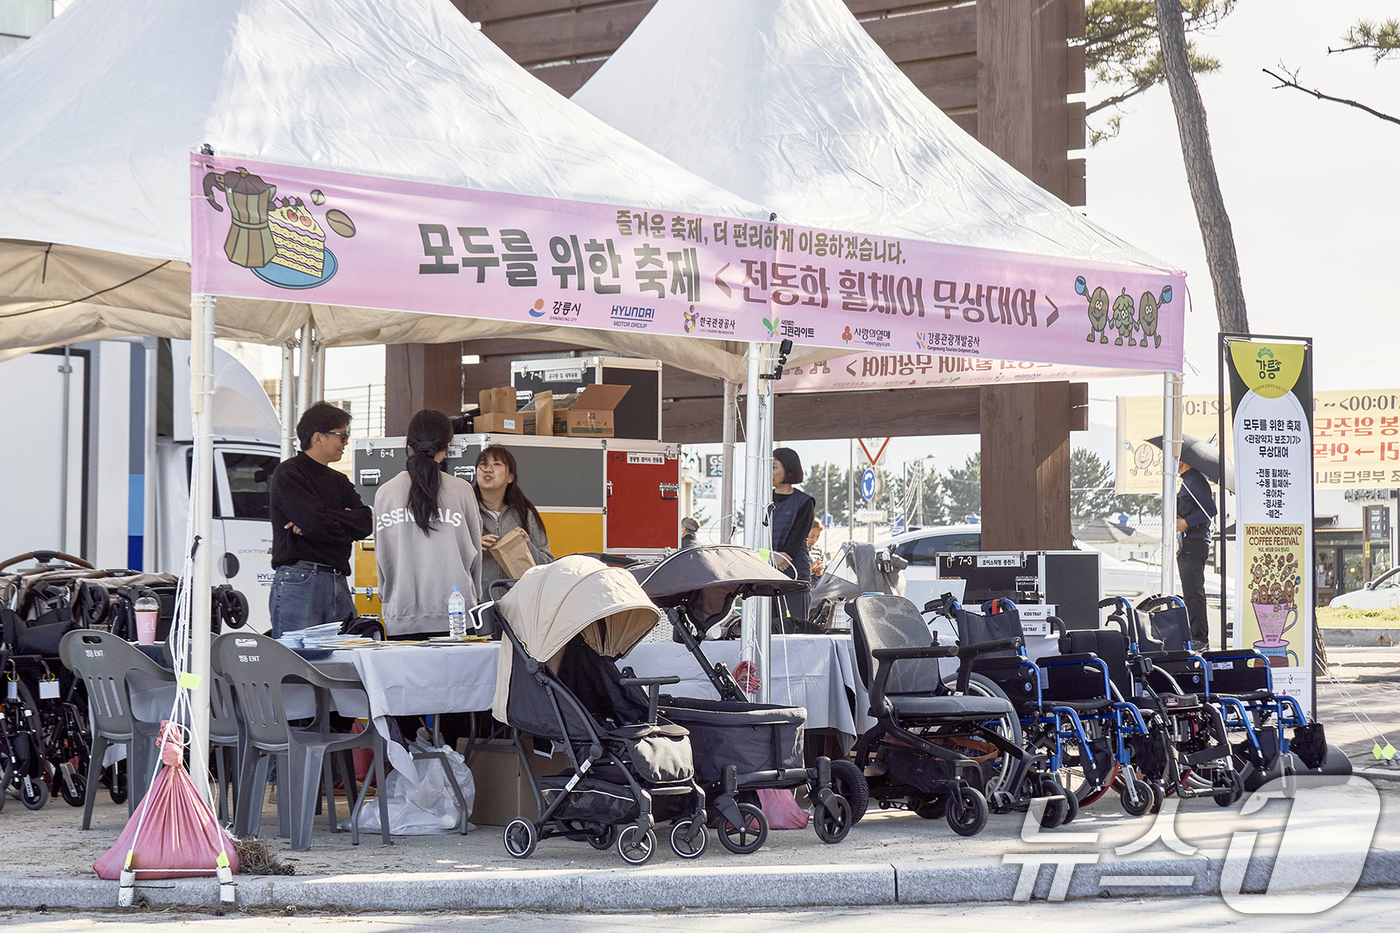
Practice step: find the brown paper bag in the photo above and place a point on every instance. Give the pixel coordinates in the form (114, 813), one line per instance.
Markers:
(512, 552)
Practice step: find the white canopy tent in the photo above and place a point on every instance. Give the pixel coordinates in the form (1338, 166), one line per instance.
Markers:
(101, 111)
(102, 108)
(792, 104)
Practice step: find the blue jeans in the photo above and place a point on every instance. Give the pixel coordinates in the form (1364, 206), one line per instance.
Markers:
(302, 597)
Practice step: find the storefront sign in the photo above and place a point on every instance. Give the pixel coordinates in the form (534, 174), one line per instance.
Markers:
(1377, 523)
(296, 234)
(1271, 391)
(1355, 438)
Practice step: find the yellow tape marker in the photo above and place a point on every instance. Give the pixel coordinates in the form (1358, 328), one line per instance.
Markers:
(190, 681)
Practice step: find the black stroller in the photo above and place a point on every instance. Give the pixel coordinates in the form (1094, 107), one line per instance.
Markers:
(565, 623)
(742, 746)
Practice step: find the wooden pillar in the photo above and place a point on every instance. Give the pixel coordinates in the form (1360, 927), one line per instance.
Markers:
(1025, 465)
(1023, 116)
(418, 376)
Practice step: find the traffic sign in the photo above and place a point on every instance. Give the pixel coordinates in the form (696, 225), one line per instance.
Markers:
(867, 484)
(827, 520)
(878, 444)
(870, 516)
(898, 528)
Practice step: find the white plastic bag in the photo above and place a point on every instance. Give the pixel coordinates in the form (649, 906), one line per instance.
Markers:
(420, 798)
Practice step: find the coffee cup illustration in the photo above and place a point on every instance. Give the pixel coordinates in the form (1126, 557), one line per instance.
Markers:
(1275, 619)
(1278, 655)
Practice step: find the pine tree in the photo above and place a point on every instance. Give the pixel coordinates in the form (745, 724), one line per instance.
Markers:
(963, 490)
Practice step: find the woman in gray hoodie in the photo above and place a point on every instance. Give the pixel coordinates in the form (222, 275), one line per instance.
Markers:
(504, 507)
(427, 534)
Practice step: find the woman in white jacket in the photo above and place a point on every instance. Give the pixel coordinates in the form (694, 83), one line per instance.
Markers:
(427, 534)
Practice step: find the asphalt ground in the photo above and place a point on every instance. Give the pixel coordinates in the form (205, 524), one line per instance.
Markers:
(891, 856)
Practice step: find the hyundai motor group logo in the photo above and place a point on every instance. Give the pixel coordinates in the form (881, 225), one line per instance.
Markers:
(637, 317)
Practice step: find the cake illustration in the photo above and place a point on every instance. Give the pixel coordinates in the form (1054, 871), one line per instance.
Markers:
(299, 238)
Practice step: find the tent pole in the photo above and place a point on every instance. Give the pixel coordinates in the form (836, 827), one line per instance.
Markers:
(1171, 449)
(757, 611)
(304, 375)
(287, 400)
(149, 552)
(202, 405)
(726, 483)
(318, 347)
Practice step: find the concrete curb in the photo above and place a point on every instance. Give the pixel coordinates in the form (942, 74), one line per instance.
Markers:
(1051, 876)
(1337, 636)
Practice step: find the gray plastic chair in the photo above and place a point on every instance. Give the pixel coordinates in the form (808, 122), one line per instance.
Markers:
(260, 669)
(106, 665)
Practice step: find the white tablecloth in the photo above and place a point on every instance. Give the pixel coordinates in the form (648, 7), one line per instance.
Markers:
(816, 672)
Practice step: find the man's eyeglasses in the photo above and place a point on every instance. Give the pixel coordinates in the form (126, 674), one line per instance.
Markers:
(343, 435)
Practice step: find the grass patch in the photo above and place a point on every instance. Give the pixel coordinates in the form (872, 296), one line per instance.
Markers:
(1346, 617)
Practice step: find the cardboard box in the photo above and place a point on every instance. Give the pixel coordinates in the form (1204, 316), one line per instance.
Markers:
(502, 789)
(588, 413)
(496, 422)
(537, 417)
(500, 399)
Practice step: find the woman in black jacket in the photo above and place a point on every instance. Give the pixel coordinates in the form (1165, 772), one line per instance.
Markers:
(793, 513)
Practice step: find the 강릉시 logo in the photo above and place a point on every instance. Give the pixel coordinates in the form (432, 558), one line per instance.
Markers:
(537, 309)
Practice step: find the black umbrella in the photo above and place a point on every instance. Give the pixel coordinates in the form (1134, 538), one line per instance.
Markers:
(1203, 456)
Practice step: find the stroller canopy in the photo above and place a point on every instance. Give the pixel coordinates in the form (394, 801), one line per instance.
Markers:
(552, 603)
(705, 580)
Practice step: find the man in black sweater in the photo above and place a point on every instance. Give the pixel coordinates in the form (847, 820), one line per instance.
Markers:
(316, 517)
(1195, 507)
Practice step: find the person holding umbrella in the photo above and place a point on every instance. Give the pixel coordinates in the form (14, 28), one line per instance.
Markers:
(1195, 510)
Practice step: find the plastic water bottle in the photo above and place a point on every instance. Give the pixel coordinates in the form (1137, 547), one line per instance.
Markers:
(457, 613)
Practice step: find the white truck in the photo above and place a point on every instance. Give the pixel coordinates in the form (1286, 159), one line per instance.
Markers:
(76, 484)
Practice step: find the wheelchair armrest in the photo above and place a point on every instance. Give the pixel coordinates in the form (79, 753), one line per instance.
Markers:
(986, 647)
(900, 654)
(1056, 659)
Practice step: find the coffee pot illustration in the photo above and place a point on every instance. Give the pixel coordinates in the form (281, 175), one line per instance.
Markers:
(249, 242)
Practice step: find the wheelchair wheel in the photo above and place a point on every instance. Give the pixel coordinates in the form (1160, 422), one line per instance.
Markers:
(116, 787)
(635, 848)
(748, 838)
(1136, 795)
(71, 788)
(833, 823)
(1056, 812)
(847, 781)
(998, 764)
(693, 848)
(520, 838)
(966, 811)
(33, 792)
(929, 808)
(5, 771)
(1229, 788)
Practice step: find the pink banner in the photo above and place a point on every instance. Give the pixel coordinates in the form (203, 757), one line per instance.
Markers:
(925, 370)
(285, 233)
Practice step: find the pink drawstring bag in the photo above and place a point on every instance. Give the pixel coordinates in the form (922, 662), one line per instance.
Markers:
(781, 809)
(180, 837)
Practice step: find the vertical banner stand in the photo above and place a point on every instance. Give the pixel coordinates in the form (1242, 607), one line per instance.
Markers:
(757, 625)
(1271, 410)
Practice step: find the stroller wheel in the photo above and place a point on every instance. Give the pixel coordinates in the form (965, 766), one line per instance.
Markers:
(833, 822)
(847, 781)
(520, 838)
(748, 838)
(1136, 795)
(692, 848)
(603, 840)
(966, 811)
(636, 849)
(1229, 787)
